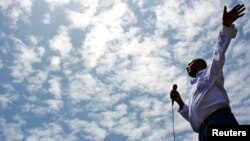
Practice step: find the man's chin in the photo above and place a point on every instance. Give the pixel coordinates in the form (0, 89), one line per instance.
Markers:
(191, 74)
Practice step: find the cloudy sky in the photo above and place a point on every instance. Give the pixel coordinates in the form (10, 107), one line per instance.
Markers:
(101, 70)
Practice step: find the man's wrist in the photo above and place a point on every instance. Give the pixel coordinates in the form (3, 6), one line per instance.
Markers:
(230, 31)
(181, 104)
(226, 24)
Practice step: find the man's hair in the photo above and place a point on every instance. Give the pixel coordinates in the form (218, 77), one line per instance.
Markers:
(202, 62)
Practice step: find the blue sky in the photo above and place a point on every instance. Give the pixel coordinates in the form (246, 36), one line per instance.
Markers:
(101, 70)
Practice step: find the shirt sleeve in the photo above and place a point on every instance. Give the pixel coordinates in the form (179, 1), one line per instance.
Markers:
(225, 36)
(184, 112)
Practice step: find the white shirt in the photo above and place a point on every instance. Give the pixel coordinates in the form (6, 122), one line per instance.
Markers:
(208, 92)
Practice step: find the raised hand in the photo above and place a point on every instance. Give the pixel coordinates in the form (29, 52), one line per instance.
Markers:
(231, 16)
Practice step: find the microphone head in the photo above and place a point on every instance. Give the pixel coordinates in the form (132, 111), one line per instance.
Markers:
(174, 87)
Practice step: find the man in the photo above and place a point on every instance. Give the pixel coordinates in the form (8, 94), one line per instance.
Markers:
(209, 103)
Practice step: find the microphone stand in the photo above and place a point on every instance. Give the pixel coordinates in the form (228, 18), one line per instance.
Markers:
(174, 88)
(173, 120)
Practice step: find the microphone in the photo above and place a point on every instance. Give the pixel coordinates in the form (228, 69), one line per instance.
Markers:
(174, 88)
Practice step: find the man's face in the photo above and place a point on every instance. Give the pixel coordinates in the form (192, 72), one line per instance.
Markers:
(192, 68)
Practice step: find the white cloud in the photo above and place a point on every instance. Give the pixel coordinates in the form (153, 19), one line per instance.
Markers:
(146, 70)
(139, 132)
(113, 16)
(159, 135)
(241, 111)
(9, 88)
(38, 109)
(109, 118)
(239, 50)
(46, 18)
(40, 51)
(195, 14)
(54, 105)
(55, 87)
(16, 10)
(123, 122)
(49, 132)
(107, 27)
(6, 100)
(11, 131)
(91, 130)
(182, 23)
(168, 14)
(246, 28)
(61, 43)
(26, 54)
(233, 79)
(57, 3)
(125, 126)
(26, 5)
(80, 19)
(35, 82)
(149, 107)
(95, 44)
(14, 15)
(96, 53)
(24, 58)
(41, 108)
(141, 103)
(177, 15)
(33, 40)
(55, 63)
(5, 4)
(85, 87)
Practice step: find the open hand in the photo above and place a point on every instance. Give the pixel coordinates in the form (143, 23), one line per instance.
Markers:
(231, 16)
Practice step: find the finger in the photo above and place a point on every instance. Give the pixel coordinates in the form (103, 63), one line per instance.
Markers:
(239, 7)
(225, 9)
(240, 15)
(239, 12)
(236, 7)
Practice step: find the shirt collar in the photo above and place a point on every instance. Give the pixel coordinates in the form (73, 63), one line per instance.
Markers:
(193, 81)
